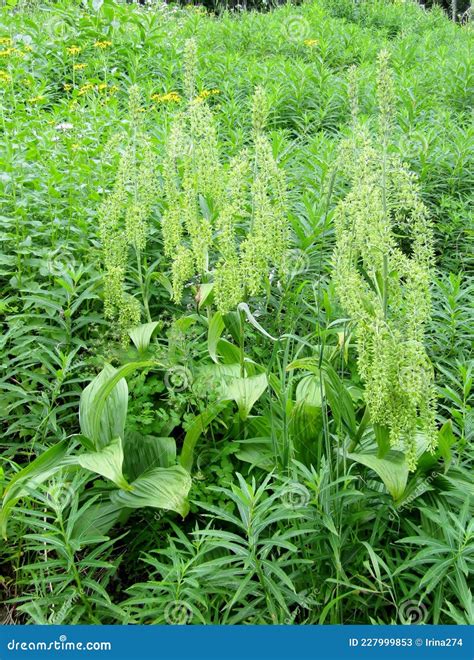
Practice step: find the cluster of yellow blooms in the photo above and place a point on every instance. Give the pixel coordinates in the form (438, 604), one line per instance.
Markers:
(75, 50)
(79, 67)
(311, 43)
(207, 92)
(4, 77)
(102, 44)
(36, 99)
(11, 51)
(87, 87)
(170, 97)
(90, 87)
(174, 97)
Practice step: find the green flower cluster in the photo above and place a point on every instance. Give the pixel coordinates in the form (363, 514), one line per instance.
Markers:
(383, 263)
(124, 213)
(229, 220)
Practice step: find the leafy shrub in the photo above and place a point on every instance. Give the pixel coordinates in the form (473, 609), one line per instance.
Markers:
(297, 509)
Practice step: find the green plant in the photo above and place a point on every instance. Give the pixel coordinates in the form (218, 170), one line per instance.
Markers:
(255, 371)
(123, 218)
(237, 569)
(382, 268)
(66, 566)
(216, 220)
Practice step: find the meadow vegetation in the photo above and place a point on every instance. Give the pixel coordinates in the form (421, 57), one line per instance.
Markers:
(237, 286)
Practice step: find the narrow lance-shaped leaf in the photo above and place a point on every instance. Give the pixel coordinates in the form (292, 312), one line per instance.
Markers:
(29, 477)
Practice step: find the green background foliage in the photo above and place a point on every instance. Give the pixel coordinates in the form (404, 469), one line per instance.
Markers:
(262, 406)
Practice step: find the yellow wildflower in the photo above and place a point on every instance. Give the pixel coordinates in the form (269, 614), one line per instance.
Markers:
(170, 97)
(5, 77)
(28, 48)
(75, 147)
(311, 43)
(86, 88)
(102, 86)
(5, 41)
(36, 99)
(74, 50)
(79, 67)
(102, 44)
(206, 93)
(7, 52)
(67, 87)
(113, 89)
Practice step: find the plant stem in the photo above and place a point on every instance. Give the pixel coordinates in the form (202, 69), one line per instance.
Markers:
(142, 286)
(242, 343)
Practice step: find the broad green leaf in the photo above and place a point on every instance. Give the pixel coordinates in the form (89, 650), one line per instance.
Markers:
(305, 425)
(222, 374)
(142, 334)
(416, 487)
(308, 364)
(165, 282)
(97, 520)
(103, 405)
(107, 462)
(229, 352)
(233, 323)
(392, 469)
(161, 488)
(216, 327)
(111, 421)
(245, 392)
(185, 322)
(145, 452)
(309, 390)
(259, 454)
(205, 294)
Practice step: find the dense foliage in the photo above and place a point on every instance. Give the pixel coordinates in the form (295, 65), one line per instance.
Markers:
(237, 278)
